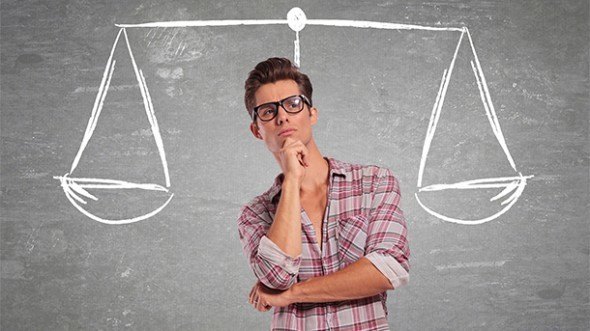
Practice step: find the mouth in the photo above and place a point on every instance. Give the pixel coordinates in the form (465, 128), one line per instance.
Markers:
(286, 132)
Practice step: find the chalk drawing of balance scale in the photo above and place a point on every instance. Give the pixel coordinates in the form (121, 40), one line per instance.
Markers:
(78, 190)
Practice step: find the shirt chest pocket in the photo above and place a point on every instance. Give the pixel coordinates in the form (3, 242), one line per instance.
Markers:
(352, 238)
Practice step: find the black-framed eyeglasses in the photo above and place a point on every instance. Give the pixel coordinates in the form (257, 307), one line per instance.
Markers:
(292, 105)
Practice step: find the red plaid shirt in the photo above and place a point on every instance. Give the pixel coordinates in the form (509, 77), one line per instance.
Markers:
(363, 219)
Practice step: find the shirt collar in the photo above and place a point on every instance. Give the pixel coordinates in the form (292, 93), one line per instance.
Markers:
(336, 168)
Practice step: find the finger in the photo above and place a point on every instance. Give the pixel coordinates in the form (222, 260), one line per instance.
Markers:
(291, 149)
(294, 151)
(261, 306)
(258, 302)
(253, 294)
(257, 305)
(255, 299)
(304, 156)
(292, 143)
(301, 148)
(300, 159)
(288, 141)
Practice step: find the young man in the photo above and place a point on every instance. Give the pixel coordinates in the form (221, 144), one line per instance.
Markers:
(328, 239)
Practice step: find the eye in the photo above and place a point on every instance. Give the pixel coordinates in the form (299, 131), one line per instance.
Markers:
(265, 110)
(293, 103)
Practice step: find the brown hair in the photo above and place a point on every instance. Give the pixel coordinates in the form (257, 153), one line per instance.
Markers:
(270, 71)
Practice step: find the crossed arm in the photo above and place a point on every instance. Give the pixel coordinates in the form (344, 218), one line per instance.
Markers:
(358, 280)
(375, 273)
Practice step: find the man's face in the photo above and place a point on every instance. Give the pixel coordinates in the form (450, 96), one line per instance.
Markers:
(273, 132)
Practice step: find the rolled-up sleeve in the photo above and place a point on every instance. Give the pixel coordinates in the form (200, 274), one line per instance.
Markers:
(273, 267)
(387, 244)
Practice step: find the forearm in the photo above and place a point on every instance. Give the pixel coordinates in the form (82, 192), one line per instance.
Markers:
(285, 230)
(360, 279)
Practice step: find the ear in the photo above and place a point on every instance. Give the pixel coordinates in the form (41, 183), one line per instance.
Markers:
(313, 113)
(255, 130)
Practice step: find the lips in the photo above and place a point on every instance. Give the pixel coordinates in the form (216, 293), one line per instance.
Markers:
(286, 132)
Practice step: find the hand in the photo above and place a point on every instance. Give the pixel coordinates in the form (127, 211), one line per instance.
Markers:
(263, 298)
(293, 159)
(254, 299)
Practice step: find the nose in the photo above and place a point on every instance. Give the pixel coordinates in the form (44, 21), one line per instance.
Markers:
(282, 115)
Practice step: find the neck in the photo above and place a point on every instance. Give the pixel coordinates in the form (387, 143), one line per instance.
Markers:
(316, 175)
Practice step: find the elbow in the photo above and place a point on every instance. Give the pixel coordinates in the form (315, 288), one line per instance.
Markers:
(396, 282)
(401, 276)
(273, 267)
(395, 274)
(277, 276)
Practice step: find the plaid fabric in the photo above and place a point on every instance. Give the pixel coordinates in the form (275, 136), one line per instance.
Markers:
(363, 219)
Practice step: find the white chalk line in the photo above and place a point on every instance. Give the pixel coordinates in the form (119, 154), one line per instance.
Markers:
(148, 106)
(431, 125)
(98, 102)
(70, 185)
(318, 22)
(202, 23)
(471, 265)
(296, 50)
(178, 49)
(494, 182)
(173, 36)
(492, 112)
(378, 25)
(509, 188)
(104, 183)
(80, 185)
(440, 98)
(156, 130)
(516, 184)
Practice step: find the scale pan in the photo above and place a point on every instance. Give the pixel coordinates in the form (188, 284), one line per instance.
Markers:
(132, 202)
(465, 199)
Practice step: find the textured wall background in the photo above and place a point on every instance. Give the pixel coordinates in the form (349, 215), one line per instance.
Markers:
(183, 268)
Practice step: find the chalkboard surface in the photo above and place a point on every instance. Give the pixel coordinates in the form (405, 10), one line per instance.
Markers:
(480, 109)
